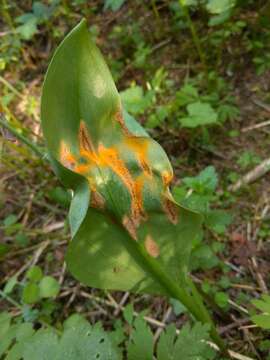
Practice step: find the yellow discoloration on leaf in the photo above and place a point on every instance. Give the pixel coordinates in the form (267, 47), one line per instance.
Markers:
(66, 158)
(167, 178)
(151, 246)
(90, 158)
(139, 146)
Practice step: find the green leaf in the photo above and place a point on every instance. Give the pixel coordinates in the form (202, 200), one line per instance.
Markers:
(189, 345)
(188, 94)
(23, 332)
(220, 18)
(10, 220)
(205, 182)
(79, 206)
(5, 319)
(117, 263)
(114, 5)
(30, 293)
(4, 249)
(10, 285)
(199, 114)
(128, 313)
(48, 287)
(165, 348)
(134, 100)
(262, 320)
(84, 342)
(221, 298)
(60, 196)
(140, 346)
(219, 6)
(218, 220)
(41, 346)
(133, 228)
(34, 274)
(28, 29)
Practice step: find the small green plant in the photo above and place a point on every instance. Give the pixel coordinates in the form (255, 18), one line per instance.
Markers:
(78, 340)
(248, 159)
(39, 286)
(128, 231)
(190, 107)
(263, 319)
(36, 287)
(29, 21)
(113, 5)
(199, 193)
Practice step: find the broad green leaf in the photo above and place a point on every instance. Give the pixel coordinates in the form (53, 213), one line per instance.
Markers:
(42, 346)
(205, 182)
(218, 220)
(30, 293)
(134, 100)
(262, 320)
(199, 114)
(219, 6)
(128, 232)
(34, 274)
(48, 287)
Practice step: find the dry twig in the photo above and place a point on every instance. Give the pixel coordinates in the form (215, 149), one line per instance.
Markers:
(252, 175)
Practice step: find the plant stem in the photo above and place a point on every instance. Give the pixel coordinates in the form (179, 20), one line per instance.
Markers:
(193, 303)
(21, 137)
(10, 300)
(195, 37)
(10, 87)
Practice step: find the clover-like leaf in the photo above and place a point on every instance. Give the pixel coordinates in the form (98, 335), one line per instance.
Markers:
(128, 232)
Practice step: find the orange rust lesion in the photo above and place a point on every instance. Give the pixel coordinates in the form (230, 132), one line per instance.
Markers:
(97, 200)
(84, 138)
(82, 168)
(151, 247)
(120, 119)
(171, 210)
(66, 158)
(167, 177)
(130, 226)
(140, 147)
(110, 157)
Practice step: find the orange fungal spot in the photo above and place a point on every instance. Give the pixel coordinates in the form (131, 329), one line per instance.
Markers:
(130, 226)
(110, 157)
(151, 246)
(170, 210)
(167, 177)
(119, 118)
(140, 147)
(66, 158)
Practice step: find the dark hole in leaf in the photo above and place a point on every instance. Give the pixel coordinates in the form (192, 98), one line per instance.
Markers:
(101, 340)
